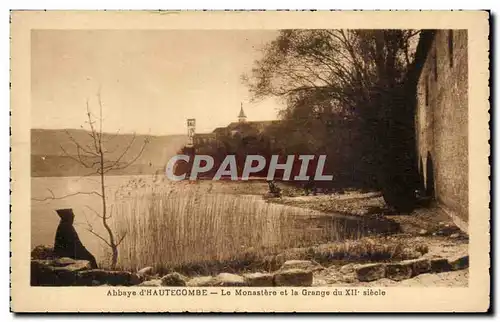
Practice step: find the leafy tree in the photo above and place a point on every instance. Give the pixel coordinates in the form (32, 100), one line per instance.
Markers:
(343, 91)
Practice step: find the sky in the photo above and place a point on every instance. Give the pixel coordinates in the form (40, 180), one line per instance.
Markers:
(150, 81)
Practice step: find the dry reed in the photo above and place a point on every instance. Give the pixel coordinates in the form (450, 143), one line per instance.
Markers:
(178, 227)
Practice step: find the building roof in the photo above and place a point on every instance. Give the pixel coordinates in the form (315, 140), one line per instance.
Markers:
(201, 135)
(220, 130)
(253, 124)
(258, 126)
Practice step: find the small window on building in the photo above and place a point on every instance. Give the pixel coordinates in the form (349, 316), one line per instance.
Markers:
(450, 46)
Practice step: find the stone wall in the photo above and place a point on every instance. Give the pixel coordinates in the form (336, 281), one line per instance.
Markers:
(442, 123)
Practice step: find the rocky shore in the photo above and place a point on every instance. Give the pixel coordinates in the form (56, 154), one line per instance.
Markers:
(70, 272)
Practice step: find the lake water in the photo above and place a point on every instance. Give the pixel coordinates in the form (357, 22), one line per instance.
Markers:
(44, 219)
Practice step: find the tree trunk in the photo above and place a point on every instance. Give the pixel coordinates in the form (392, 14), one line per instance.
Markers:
(112, 244)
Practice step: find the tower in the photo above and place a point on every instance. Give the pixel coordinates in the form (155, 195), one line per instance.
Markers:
(242, 117)
(191, 126)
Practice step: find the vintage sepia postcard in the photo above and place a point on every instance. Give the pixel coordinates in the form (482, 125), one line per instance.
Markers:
(272, 161)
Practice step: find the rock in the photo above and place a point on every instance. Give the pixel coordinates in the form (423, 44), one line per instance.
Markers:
(70, 264)
(42, 274)
(448, 230)
(146, 271)
(301, 264)
(293, 277)
(439, 265)
(223, 279)
(173, 279)
(58, 272)
(63, 261)
(351, 278)
(332, 275)
(113, 278)
(459, 262)
(151, 283)
(227, 279)
(418, 266)
(409, 253)
(455, 235)
(259, 279)
(422, 232)
(398, 271)
(42, 252)
(370, 272)
(201, 281)
(348, 269)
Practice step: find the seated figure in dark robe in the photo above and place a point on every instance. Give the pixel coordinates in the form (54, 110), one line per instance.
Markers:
(67, 242)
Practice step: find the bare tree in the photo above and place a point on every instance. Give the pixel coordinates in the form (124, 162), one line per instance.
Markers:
(100, 161)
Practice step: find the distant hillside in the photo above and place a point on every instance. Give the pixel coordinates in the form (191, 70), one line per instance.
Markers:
(49, 160)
